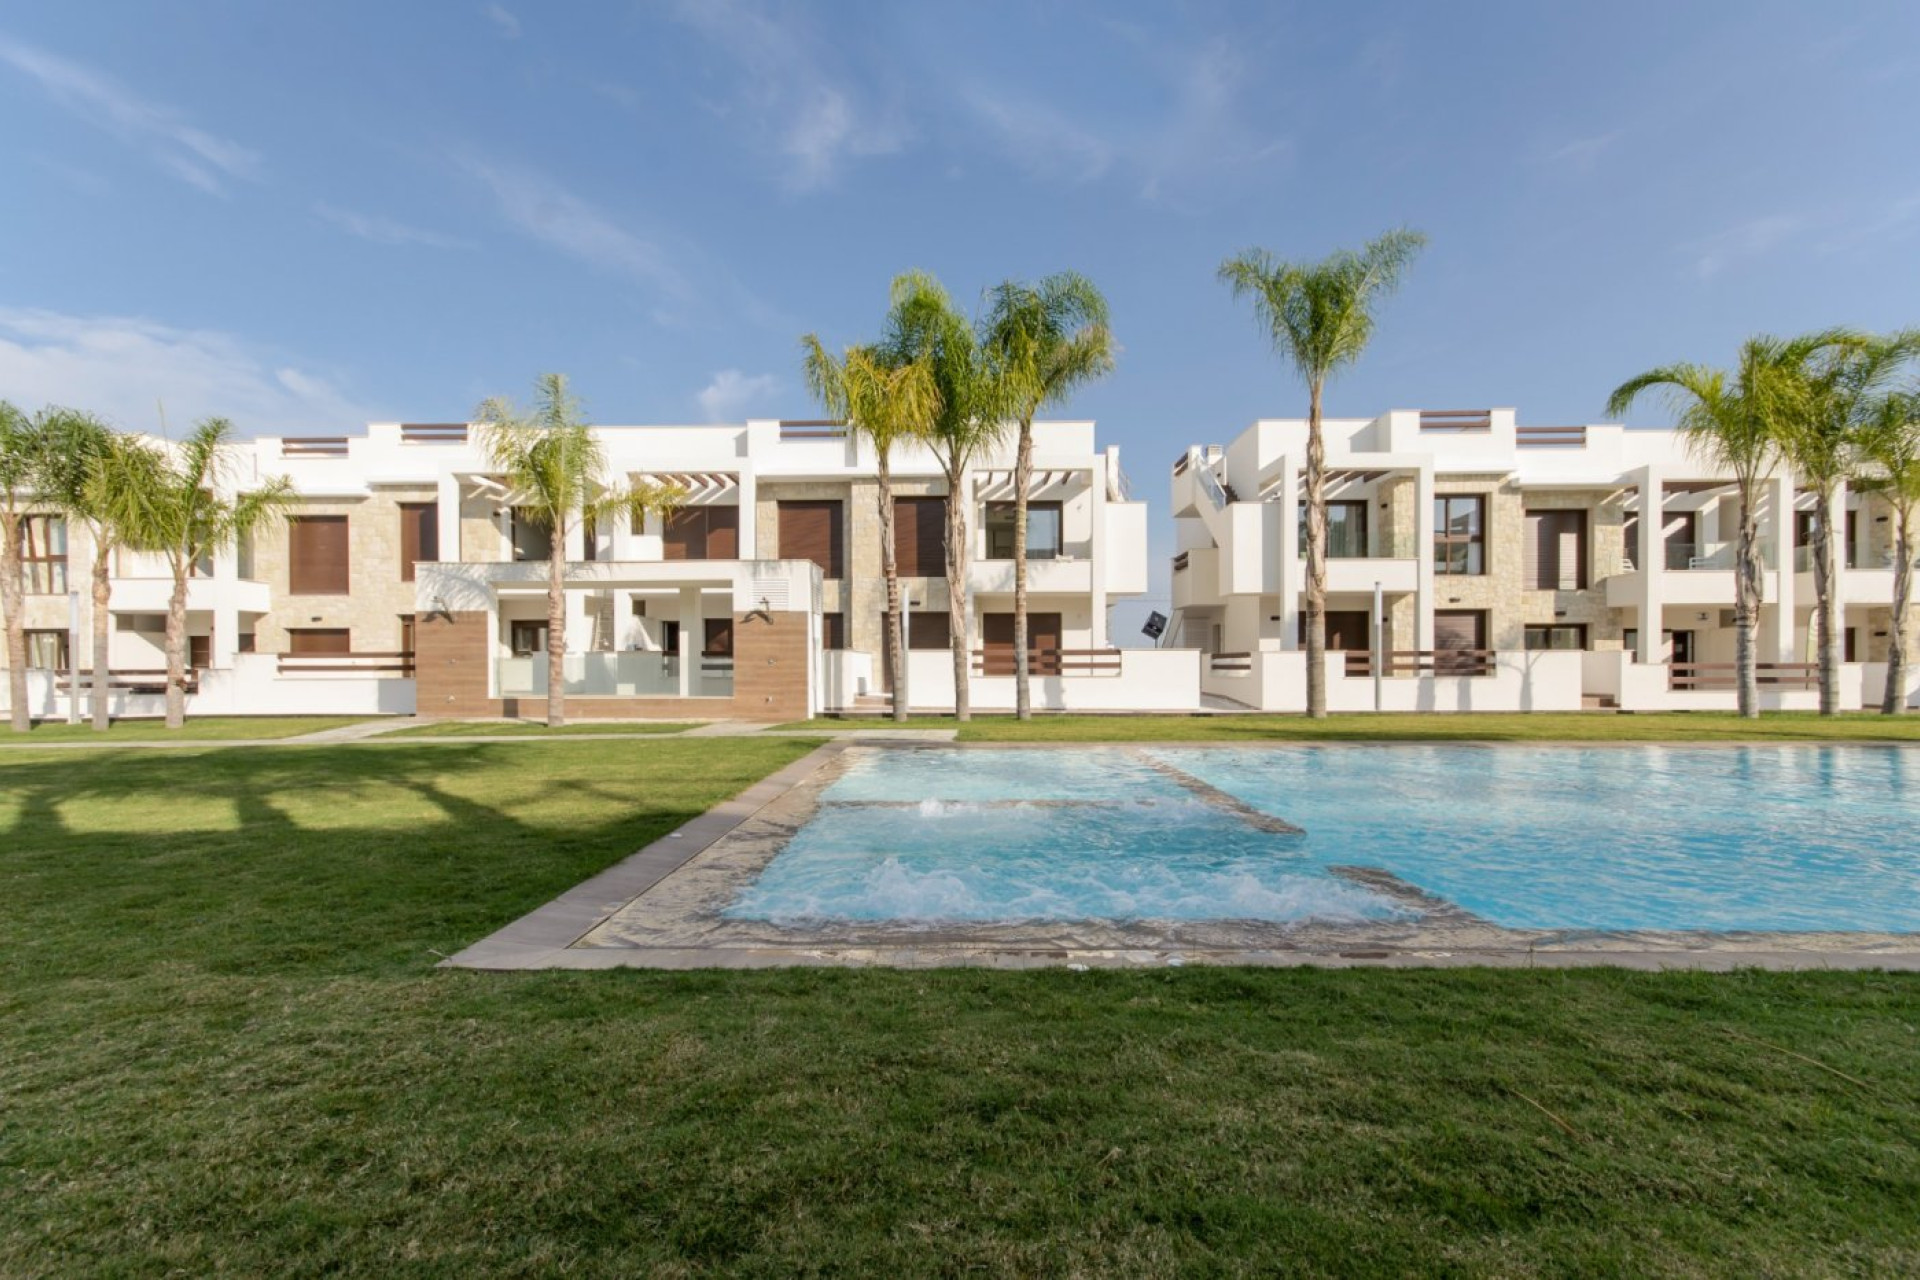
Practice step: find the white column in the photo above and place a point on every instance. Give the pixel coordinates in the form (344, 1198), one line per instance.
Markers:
(1423, 596)
(1097, 571)
(1779, 492)
(226, 613)
(749, 531)
(447, 515)
(1651, 558)
(1289, 575)
(690, 642)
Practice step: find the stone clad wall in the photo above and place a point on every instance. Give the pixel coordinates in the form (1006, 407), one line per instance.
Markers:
(378, 597)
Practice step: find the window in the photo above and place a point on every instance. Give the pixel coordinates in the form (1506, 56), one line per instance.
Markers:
(317, 563)
(702, 533)
(43, 555)
(1460, 534)
(1556, 550)
(718, 638)
(926, 631)
(419, 535)
(1043, 530)
(1460, 642)
(589, 539)
(532, 540)
(920, 537)
(814, 530)
(1556, 637)
(1805, 522)
(47, 650)
(1346, 530)
(833, 631)
(527, 638)
(305, 641)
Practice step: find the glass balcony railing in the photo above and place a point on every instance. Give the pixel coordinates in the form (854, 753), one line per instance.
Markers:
(1714, 555)
(630, 674)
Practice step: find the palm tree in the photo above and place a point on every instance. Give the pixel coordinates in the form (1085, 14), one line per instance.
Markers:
(1320, 317)
(1047, 340)
(1891, 448)
(1735, 423)
(19, 457)
(173, 504)
(554, 468)
(77, 465)
(1843, 372)
(924, 324)
(888, 403)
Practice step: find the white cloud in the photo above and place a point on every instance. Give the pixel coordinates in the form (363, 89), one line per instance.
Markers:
(1715, 253)
(541, 208)
(732, 395)
(125, 368)
(191, 154)
(500, 16)
(385, 230)
(1197, 132)
(792, 98)
(1582, 154)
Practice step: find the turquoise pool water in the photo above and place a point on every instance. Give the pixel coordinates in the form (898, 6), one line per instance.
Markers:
(1615, 838)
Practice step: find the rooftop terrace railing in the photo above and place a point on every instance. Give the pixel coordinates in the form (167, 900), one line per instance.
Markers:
(433, 433)
(812, 429)
(1550, 437)
(314, 447)
(1460, 420)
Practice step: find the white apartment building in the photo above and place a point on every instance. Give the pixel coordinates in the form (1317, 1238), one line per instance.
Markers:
(1518, 568)
(402, 581)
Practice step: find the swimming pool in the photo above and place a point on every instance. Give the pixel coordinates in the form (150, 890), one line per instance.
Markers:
(1526, 838)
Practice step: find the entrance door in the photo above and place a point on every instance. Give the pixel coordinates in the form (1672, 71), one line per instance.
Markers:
(1679, 646)
(1043, 643)
(1459, 636)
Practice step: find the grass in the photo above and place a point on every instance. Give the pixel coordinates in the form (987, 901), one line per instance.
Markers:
(209, 729)
(533, 728)
(1673, 726)
(226, 1051)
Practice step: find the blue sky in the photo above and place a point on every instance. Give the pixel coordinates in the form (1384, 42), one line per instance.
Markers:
(308, 216)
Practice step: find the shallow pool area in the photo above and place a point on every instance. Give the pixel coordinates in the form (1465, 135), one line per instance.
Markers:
(1672, 838)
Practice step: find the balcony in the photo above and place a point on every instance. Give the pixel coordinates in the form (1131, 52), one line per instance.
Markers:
(631, 674)
(1196, 577)
(1065, 574)
(204, 595)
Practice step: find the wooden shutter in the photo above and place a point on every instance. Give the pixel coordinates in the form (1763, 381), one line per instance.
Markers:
(719, 638)
(685, 535)
(1459, 629)
(929, 631)
(317, 555)
(919, 537)
(1555, 550)
(813, 530)
(419, 535)
(308, 640)
(833, 631)
(723, 537)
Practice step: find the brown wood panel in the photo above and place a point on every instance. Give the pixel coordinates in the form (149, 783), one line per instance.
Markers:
(919, 537)
(419, 535)
(1348, 630)
(1043, 643)
(814, 529)
(317, 555)
(929, 631)
(702, 533)
(303, 641)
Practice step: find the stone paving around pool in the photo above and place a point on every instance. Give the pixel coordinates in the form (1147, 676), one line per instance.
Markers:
(662, 908)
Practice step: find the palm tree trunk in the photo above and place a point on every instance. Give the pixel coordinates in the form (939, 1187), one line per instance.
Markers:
(890, 566)
(177, 645)
(1826, 625)
(1022, 473)
(10, 603)
(957, 594)
(1746, 606)
(1894, 700)
(102, 641)
(557, 628)
(1316, 559)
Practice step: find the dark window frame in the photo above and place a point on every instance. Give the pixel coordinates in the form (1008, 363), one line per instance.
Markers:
(1578, 629)
(299, 585)
(35, 562)
(419, 536)
(1473, 543)
(1361, 505)
(63, 654)
(1002, 528)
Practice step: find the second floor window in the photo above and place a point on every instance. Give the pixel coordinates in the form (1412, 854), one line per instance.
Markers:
(1460, 534)
(1346, 530)
(702, 533)
(919, 537)
(812, 529)
(1556, 550)
(419, 535)
(317, 556)
(43, 555)
(1043, 530)
(531, 539)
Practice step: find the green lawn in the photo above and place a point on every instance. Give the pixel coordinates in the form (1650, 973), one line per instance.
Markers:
(533, 728)
(224, 1049)
(1677, 726)
(209, 729)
